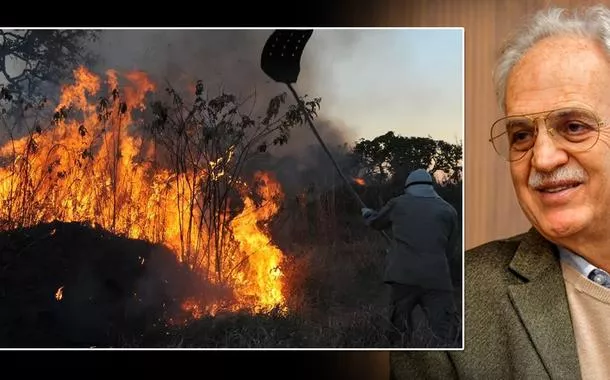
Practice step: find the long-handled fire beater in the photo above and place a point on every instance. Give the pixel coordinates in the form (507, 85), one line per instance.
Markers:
(281, 61)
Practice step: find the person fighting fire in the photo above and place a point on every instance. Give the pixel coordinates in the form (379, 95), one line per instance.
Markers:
(425, 240)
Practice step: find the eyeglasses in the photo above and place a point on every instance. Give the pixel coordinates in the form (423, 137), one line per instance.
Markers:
(573, 129)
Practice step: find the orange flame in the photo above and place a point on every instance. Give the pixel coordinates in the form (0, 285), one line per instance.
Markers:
(94, 170)
(255, 280)
(359, 181)
(59, 294)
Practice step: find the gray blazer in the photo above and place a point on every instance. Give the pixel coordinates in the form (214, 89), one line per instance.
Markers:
(517, 320)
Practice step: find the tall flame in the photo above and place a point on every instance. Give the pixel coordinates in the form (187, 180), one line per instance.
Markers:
(257, 281)
(91, 168)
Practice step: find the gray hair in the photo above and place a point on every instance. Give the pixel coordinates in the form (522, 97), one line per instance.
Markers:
(591, 22)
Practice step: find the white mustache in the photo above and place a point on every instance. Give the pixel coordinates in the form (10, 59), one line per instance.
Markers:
(564, 173)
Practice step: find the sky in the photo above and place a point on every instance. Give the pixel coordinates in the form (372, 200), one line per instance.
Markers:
(409, 81)
(371, 81)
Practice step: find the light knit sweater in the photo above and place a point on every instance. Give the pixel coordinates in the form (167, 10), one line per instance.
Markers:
(590, 311)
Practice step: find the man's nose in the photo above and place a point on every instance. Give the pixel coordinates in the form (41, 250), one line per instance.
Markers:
(547, 154)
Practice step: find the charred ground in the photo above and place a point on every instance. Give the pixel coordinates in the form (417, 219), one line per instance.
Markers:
(72, 285)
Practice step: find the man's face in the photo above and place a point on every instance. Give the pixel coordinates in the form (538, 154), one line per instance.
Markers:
(566, 196)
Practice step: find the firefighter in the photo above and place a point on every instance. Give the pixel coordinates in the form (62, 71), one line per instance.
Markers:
(425, 239)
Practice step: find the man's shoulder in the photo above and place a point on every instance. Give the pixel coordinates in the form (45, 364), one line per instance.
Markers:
(439, 202)
(501, 246)
(490, 261)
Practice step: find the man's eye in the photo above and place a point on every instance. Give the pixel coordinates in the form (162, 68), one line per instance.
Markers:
(575, 128)
(519, 136)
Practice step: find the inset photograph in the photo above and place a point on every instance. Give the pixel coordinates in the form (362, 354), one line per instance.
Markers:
(231, 188)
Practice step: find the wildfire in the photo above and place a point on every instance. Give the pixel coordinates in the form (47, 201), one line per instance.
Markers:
(359, 181)
(88, 166)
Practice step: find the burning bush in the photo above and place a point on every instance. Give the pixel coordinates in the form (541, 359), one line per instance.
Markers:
(172, 176)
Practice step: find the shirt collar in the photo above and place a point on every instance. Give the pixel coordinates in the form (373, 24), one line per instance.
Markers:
(577, 262)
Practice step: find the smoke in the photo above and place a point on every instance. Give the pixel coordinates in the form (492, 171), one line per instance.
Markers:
(223, 59)
(229, 61)
(303, 161)
(163, 281)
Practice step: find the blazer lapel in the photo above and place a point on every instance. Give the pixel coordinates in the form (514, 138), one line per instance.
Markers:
(542, 305)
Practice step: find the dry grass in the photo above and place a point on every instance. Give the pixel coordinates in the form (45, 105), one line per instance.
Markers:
(336, 300)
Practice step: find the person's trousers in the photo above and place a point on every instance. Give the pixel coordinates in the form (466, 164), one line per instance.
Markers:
(438, 306)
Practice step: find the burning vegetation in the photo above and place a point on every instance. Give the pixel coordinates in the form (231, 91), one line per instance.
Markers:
(171, 178)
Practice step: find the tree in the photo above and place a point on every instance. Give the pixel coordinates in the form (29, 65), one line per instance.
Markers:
(207, 143)
(391, 157)
(31, 58)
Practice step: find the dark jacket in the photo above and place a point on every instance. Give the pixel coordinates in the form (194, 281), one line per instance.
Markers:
(517, 319)
(426, 231)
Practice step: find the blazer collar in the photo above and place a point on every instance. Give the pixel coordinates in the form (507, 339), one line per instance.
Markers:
(541, 303)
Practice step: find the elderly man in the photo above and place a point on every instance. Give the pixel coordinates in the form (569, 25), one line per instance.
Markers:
(425, 229)
(537, 303)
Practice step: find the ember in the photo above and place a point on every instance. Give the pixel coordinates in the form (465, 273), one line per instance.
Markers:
(59, 294)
